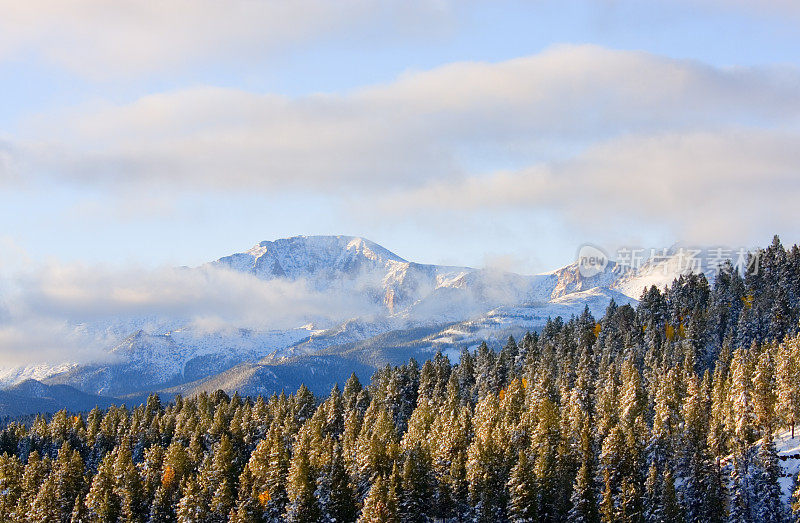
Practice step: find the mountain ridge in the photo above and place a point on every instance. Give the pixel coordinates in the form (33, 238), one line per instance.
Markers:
(414, 310)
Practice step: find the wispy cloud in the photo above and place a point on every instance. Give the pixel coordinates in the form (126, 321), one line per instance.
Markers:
(425, 125)
(706, 186)
(125, 38)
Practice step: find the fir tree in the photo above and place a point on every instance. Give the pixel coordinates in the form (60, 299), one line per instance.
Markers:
(303, 506)
(522, 505)
(767, 495)
(102, 501)
(796, 500)
(192, 507)
(336, 495)
(788, 381)
(380, 505)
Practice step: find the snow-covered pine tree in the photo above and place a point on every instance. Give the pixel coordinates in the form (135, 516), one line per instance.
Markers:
(102, 501)
(795, 501)
(380, 505)
(767, 492)
(523, 502)
(764, 397)
(788, 381)
(193, 506)
(300, 488)
(336, 496)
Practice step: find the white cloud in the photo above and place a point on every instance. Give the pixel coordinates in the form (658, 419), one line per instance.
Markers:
(425, 125)
(76, 312)
(122, 38)
(704, 187)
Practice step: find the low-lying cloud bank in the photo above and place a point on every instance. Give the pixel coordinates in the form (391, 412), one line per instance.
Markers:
(76, 313)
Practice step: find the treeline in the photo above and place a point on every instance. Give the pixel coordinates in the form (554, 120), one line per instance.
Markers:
(660, 413)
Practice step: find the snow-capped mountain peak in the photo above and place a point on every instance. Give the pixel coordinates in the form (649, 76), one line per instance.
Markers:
(311, 256)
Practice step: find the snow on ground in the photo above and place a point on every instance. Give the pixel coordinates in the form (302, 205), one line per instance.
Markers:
(789, 453)
(788, 450)
(14, 375)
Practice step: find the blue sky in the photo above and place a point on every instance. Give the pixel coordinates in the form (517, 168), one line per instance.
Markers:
(476, 133)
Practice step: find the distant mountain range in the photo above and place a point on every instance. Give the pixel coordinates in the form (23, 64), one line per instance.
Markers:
(400, 309)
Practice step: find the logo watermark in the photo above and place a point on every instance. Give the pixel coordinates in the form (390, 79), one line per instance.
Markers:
(592, 260)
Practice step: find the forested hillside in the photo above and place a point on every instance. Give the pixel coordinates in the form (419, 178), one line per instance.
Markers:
(659, 413)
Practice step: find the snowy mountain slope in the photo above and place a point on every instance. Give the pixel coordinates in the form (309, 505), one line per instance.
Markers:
(146, 361)
(318, 373)
(33, 397)
(497, 324)
(414, 308)
(662, 267)
(568, 280)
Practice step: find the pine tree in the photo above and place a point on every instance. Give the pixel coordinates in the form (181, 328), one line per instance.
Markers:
(127, 486)
(702, 494)
(488, 463)
(380, 505)
(303, 506)
(653, 504)
(352, 388)
(719, 431)
(764, 397)
(416, 486)
(151, 470)
(796, 500)
(672, 509)
(45, 505)
(192, 507)
(249, 508)
(611, 459)
(767, 495)
(79, 512)
(522, 505)
(269, 465)
(377, 446)
(584, 495)
(485, 377)
(102, 501)
(11, 470)
(222, 502)
(545, 443)
(336, 495)
(55, 499)
(633, 404)
(788, 381)
(741, 510)
(667, 416)
(744, 422)
(163, 506)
